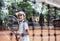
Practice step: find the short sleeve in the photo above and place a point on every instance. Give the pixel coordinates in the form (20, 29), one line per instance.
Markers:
(26, 25)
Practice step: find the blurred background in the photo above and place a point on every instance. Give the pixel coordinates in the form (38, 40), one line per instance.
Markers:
(43, 17)
(38, 12)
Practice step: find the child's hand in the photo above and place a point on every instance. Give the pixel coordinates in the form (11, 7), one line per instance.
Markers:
(26, 32)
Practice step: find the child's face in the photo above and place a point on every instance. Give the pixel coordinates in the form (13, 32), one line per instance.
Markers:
(21, 17)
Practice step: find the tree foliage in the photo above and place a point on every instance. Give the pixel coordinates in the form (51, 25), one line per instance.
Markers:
(28, 7)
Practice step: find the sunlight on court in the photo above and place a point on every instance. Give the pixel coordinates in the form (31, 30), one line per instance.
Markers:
(5, 36)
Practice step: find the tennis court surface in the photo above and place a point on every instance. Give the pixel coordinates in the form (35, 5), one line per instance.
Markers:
(34, 36)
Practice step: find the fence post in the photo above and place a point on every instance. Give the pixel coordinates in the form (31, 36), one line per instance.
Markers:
(41, 21)
(54, 23)
(48, 20)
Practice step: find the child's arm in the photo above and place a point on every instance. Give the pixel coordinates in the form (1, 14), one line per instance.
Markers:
(26, 29)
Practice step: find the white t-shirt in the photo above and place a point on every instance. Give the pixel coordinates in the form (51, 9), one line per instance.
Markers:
(22, 27)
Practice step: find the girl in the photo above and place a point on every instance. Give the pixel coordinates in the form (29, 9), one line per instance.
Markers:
(23, 26)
